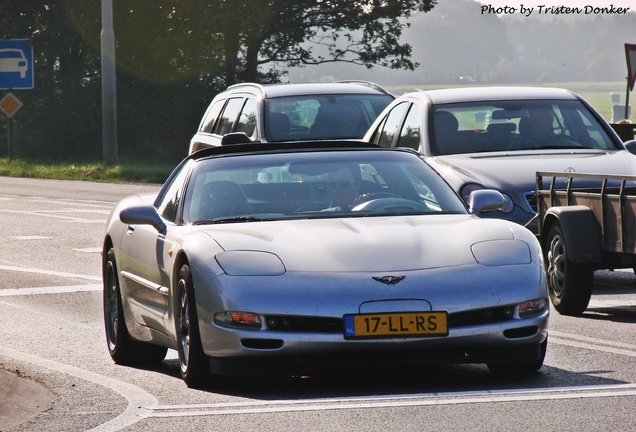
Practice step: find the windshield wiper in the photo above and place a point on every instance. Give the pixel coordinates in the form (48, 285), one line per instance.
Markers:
(229, 220)
(564, 147)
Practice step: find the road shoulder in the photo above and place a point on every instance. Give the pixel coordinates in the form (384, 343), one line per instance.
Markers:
(21, 399)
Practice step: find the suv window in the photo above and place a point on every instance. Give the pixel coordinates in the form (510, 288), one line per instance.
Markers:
(392, 124)
(340, 116)
(230, 113)
(410, 133)
(247, 119)
(210, 117)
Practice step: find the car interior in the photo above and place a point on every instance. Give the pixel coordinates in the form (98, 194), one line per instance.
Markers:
(504, 126)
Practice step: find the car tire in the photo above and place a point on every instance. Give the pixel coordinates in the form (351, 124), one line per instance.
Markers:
(570, 284)
(122, 348)
(193, 362)
(520, 368)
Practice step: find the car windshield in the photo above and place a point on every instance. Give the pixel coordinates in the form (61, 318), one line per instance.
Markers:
(515, 125)
(319, 117)
(310, 184)
(11, 53)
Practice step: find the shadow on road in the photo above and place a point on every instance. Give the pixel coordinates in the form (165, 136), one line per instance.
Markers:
(373, 383)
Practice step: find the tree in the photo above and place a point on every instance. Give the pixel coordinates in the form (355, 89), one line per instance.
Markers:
(173, 56)
(253, 34)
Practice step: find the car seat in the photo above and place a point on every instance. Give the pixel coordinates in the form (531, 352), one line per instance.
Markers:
(222, 199)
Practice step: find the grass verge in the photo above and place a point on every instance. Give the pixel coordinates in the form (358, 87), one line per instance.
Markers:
(123, 173)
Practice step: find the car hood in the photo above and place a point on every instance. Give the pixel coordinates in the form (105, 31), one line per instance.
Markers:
(365, 244)
(510, 171)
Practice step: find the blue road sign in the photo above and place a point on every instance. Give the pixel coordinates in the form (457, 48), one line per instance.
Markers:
(16, 64)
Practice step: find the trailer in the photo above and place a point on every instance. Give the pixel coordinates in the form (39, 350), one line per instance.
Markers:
(586, 222)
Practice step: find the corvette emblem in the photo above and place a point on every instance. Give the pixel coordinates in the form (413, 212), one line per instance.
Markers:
(389, 280)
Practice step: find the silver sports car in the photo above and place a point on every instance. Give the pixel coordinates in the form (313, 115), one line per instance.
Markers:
(291, 257)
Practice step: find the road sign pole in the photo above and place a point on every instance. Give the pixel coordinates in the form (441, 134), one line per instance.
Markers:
(630, 57)
(109, 91)
(9, 138)
(627, 101)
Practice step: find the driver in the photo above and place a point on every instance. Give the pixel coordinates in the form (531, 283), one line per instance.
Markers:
(345, 187)
(540, 122)
(537, 130)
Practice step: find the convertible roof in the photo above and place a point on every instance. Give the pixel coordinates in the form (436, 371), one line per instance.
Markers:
(292, 145)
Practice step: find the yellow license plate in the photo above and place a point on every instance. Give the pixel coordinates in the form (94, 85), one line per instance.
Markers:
(402, 324)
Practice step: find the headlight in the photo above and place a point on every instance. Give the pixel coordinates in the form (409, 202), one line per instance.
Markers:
(250, 263)
(532, 307)
(469, 188)
(501, 252)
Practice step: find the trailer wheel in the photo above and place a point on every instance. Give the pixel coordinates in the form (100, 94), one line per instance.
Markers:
(570, 283)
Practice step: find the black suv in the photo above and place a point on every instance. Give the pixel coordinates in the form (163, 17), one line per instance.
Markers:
(291, 112)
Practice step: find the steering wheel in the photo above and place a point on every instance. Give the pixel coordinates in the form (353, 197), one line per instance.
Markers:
(378, 195)
(390, 205)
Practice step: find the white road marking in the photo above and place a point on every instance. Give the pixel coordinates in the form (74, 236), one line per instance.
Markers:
(11, 292)
(450, 398)
(611, 303)
(72, 210)
(590, 343)
(61, 201)
(89, 250)
(135, 396)
(50, 273)
(83, 203)
(31, 238)
(54, 215)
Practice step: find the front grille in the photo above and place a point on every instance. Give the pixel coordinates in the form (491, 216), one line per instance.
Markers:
(301, 324)
(478, 317)
(304, 324)
(531, 201)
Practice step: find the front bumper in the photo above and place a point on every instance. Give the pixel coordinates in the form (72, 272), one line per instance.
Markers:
(232, 351)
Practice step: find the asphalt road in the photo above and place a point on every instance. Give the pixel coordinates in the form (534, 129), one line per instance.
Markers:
(52, 348)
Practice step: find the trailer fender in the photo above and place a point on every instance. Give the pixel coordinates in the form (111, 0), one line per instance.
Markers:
(581, 232)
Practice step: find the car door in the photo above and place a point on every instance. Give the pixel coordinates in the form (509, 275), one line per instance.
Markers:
(144, 256)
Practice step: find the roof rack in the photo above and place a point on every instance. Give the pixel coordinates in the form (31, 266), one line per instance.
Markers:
(247, 84)
(367, 84)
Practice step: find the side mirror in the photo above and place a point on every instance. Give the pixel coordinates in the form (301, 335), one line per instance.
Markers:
(235, 138)
(631, 146)
(142, 215)
(485, 200)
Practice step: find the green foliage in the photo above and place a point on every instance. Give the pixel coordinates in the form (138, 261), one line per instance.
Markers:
(127, 172)
(172, 58)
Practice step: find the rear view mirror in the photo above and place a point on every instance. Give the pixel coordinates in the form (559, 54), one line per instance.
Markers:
(485, 200)
(631, 146)
(142, 215)
(235, 138)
